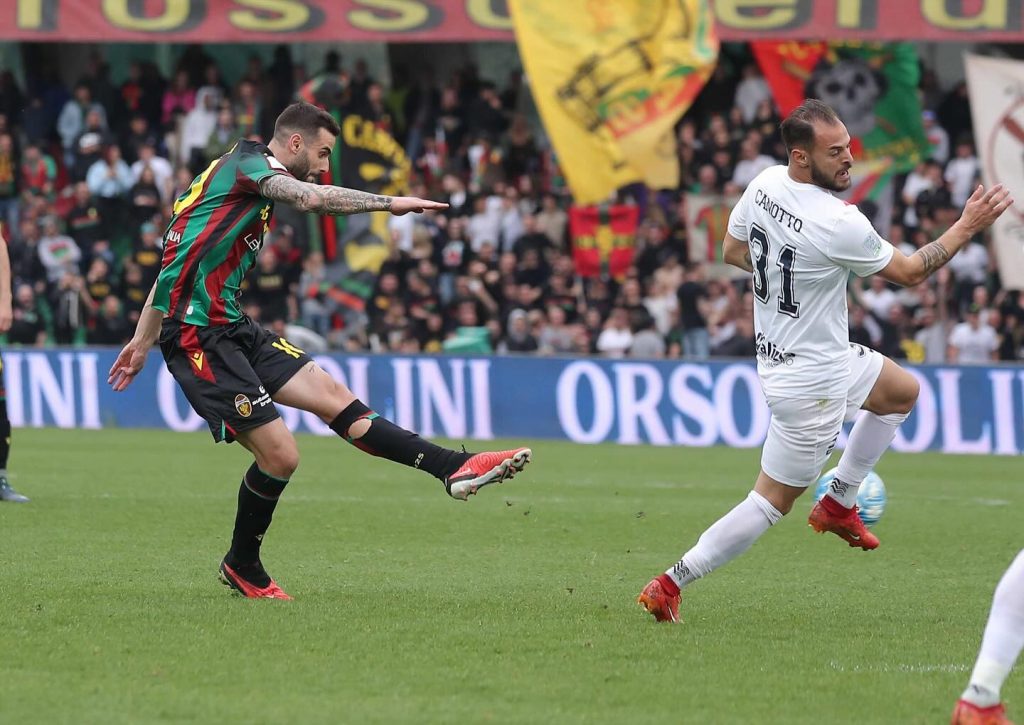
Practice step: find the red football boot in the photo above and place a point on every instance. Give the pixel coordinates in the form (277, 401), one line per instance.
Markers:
(661, 598)
(483, 469)
(233, 579)
(967, 713)
(829, 515)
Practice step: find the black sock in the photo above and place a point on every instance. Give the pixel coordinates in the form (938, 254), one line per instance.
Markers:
(387, 440)
(257, 499)
(5, 433)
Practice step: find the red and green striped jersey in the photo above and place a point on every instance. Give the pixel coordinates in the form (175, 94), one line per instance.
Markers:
(214, 236)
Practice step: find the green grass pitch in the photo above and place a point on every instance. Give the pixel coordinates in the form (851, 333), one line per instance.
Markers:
(518, 606)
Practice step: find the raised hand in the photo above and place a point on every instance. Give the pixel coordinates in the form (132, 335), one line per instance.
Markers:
(984, 207)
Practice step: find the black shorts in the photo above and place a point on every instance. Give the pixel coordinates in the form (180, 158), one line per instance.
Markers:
(229, 372)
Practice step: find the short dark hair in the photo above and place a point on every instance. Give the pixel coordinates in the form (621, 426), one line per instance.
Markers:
(798, 128)
(304, 119)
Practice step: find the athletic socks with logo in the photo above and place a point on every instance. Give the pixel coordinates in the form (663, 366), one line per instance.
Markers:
(385, 439)
(869, 439)
(257, 499)
(1003, 639)
(727, 538)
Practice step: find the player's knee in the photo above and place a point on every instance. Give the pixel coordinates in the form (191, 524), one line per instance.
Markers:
(281, 461)
(337, 398)
(905, 395)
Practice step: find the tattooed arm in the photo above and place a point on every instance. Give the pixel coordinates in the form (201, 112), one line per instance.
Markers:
(982, 209)
(737, 253)
(337, 200)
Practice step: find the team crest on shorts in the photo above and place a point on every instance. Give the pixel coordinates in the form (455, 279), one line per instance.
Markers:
(243, 405)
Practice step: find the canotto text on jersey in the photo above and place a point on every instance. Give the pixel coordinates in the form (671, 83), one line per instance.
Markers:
(779, 214)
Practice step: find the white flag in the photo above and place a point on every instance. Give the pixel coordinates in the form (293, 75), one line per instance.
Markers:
(997, 106)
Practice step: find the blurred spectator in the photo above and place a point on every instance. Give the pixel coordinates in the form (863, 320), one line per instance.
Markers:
(752, 162)
(553, 221)
(751, 92)
(616, 338)
(147, 254)
(938, 139)
(931, 336)
(647, 341)
(148, 158)
(962, 173)
(144, 197)
(109, 177)
(28, 326)
(198, 126)
(85, 220)
(58, 252)
(38, 172)
(972, 341)
(693, 309)
(178, 99)
(879, 297)
(741, 342)
(71, 123)
(518, 338)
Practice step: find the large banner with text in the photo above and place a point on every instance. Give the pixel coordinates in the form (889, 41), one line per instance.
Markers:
(976, 410)
(300, 21)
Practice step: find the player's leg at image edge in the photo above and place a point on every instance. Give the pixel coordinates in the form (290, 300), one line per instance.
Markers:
(462, 474)
(1001, 645)
(6, 492)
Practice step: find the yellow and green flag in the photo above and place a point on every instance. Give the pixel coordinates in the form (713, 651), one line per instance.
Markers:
(611, 79)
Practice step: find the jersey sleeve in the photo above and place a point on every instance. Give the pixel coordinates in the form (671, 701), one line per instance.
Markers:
(739, 218)
(856, 246)
(254, 168)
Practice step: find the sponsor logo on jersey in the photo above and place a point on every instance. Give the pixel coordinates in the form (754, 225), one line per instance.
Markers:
(197, 359)
(243, 405)
(771, 355)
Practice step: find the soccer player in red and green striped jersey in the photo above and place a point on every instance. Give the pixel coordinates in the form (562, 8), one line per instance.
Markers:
(232, 370)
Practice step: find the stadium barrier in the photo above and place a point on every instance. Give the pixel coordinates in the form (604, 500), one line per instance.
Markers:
(962, 409)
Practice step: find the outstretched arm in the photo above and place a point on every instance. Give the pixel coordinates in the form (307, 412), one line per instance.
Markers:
(982, 209)
(337, 200)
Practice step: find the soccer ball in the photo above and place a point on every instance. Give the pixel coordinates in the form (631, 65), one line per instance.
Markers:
(871, 496)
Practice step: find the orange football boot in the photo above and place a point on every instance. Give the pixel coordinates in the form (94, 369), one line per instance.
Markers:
(483, 469)
(967, 713)
(829, 515)
(661, 598)
(231, 578)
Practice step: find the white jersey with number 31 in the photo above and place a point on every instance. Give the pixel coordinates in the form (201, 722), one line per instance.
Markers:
(804, 242)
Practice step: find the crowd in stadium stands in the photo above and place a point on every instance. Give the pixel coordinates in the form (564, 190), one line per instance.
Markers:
(88, 175)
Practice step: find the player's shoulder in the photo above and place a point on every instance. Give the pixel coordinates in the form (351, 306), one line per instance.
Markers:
(772, 176)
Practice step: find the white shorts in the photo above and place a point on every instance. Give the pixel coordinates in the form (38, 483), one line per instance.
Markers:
(803, 432)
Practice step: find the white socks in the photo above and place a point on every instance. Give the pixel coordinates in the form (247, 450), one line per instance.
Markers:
(869, 439)
(727, 538)
(1003, 640)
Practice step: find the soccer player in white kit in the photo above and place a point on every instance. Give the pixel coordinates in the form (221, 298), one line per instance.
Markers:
(1000, 647)
(800, 244)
